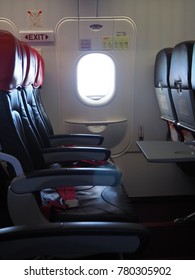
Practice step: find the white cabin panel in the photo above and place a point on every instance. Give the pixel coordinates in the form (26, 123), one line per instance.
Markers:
(114, 37)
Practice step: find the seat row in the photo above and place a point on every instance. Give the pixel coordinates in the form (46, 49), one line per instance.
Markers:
(22, 132)
(174, 81)
(22, 88)
(42, 166)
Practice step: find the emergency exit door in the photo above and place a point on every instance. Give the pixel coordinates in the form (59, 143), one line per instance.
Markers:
(95, 70)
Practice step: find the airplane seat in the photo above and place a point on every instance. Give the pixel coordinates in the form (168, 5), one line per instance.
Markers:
(17, 136)
(37, 239)
(38, 82)
(13, 140)
(162, 87)
(193, 69)
(99, 155)
(183, 97)
(17, 133)
(102, 204)
(180, 83)
(163, 93)
(28, 97)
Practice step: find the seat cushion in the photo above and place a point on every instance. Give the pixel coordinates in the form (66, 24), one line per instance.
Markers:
(98, 203)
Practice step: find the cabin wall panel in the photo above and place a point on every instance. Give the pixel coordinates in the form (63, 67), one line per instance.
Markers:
(144, 179)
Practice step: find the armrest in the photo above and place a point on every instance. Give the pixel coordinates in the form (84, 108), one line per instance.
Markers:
(53, 178)
(22, 202)
(60, 155)
(75, 139)
(69, 239)
(14, 162)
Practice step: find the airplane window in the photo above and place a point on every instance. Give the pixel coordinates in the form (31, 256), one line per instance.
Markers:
(96, 78)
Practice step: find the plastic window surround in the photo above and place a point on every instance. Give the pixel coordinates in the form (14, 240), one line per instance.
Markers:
(96, 78)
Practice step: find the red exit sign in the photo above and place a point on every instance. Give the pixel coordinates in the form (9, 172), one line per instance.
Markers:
(35, 36)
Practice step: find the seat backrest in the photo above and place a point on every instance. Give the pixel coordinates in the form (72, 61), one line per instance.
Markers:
(28, 97)
(180, 83)
(37, 90)
(162, 87)
(16, 134)
(193, 68)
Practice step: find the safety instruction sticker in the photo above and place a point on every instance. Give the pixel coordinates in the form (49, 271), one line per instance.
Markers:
(85, 44)
(115, 42)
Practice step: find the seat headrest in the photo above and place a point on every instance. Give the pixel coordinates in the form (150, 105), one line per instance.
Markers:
(31, 66)
(21, 65)
(24, 60)
(162, 68)
(11, 62)
(180, 68)
(40, 71)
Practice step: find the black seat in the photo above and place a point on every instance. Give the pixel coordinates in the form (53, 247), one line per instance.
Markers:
(192, 78)
(162, 86)
(35, 100)
(97, 155)
(18, 112)
(71, 239)
(17, 136)
(179, 110)
(180, 83)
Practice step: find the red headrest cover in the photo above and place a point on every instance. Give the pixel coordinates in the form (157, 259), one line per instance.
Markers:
(10, 62)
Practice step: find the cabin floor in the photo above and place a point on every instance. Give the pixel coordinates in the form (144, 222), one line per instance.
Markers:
(172, 235)
(171, 238)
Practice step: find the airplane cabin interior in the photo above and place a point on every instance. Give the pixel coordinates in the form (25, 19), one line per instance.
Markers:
(97, 129)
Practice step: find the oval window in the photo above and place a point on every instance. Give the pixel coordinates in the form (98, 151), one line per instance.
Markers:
(96, 78)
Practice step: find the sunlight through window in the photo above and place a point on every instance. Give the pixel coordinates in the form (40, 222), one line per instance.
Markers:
(96, 78)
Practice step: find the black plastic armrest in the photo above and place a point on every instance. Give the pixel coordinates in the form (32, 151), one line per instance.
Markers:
(61, 238)
(53, 178)
(14, 162)
(60, 155)
(75, 139)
